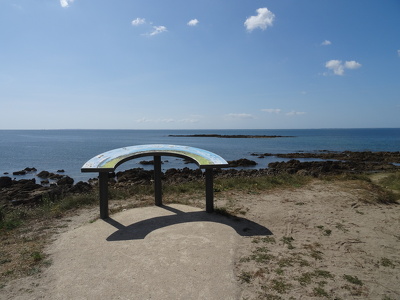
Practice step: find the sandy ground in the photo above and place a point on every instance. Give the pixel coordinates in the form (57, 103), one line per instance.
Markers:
(322, 241)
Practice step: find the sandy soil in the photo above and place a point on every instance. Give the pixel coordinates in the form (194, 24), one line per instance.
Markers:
(322, 241)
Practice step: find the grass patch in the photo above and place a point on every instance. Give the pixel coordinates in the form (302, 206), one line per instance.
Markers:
(263, 183)
(353, 279)
(320, 292)
(287, 240)
(261, 255)
(309, 277)
(245, 277)
(280, 286)
(386, 262)
(391, 182)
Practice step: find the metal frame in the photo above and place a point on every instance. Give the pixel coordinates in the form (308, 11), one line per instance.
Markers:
(107, 162)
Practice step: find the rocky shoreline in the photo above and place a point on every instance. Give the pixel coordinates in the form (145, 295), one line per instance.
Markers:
(231, 136)
(52, 186)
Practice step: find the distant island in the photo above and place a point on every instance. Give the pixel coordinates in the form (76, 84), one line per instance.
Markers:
(233, 136)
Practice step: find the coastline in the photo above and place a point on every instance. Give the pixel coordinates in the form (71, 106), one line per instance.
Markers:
(16, 191)
(232, 136)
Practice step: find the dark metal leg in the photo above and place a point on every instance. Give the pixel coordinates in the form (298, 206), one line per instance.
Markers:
(103, 190)
(209, 191)
(157, 180)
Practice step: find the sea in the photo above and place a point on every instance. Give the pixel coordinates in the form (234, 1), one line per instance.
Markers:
(68, 150)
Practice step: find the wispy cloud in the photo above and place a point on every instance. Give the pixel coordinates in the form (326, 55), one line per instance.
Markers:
(168, 120)
(65, 3)
(295, 113)
(398, 52)
(157, 30)
(262, 20)
(338, 67)
(272, 110)
(240, 116)
(138, 21)
(326, 43)
(193, 22)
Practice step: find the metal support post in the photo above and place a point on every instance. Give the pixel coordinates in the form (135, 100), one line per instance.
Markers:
(209, 191)
(157, 180)
(103, 190)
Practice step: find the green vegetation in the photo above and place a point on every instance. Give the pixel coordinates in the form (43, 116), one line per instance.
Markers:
(385, 191)
(245, 277)
(320, 292)
(287, 240)
(391, 182)
(280, 286)
(353, 279)
(258, 184)
(386, 262)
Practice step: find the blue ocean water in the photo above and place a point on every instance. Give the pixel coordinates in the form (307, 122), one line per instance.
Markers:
(52, 150)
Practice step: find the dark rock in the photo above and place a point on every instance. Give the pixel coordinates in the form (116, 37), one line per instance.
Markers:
(46, 174)
(21, 191)
(60, 171)
(316, 168)
(366, 156)
(30, 169)
(147, 162)
(243, 162)
(81, 187)
(28, 200)
(5, 182)
(55, 176)
(65, 181)
(22, 172)
(43, 174)
(135, 175)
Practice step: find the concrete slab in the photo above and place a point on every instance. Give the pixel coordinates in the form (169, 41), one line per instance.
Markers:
(170, 252)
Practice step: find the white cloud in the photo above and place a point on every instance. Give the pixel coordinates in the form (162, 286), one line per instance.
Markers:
(398, 52)
(138, 21)
(272, 110)
(240, 116)
(338, 67)
(157, 30)
(66, 3)
(352, 65)
(193, 22)
(295, 113)
(262, 20)
(326, 43)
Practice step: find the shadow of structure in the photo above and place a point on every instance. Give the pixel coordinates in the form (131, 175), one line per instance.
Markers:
(140, 230)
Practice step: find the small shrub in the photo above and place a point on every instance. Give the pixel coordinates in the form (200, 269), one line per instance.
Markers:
(320, 292)
(386, 262)
(353, 279)
(245, 277)
(288, 241)
(280, 286)
(37, 256)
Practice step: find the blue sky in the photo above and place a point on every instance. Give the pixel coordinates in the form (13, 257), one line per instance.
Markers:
(183, 64)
